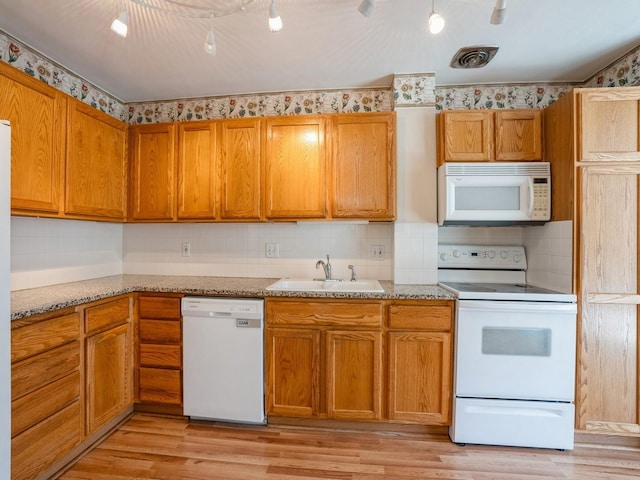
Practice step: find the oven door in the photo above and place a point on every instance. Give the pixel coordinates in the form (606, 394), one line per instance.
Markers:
(515, 350)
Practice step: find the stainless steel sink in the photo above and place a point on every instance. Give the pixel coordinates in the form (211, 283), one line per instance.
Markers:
(305, 285)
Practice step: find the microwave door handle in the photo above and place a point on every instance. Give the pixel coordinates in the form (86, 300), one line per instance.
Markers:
(530, 197)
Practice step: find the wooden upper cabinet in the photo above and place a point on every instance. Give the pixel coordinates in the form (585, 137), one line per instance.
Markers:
(489, 135)
(96, 169)
(295, 168)
(364, 166)
(612, 118)
(196, 170)
(153, 172)
(518, 135)
(240, 186)
(465, 136)
(37, 113)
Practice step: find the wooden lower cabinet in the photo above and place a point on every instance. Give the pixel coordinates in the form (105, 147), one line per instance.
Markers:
(159, 371)
(293, 371)
(109, 375)
(108, 361)
(323, 359)
(71, 381)
(421, 362)
(46, 408)
(360, 360)
(354, 375)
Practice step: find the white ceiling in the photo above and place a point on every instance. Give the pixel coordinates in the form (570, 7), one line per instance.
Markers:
(325, 44)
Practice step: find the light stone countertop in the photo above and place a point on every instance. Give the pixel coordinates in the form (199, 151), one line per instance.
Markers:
(47, 299)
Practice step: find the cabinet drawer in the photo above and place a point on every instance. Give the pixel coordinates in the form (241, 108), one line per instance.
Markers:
(158, 385)
(35, 372)
(160, 355)
(44, 402)
(160, 331)
(42, 336)
(325, 313)
(38, 448)
(107, 315)
(159, 307)
(418, 317)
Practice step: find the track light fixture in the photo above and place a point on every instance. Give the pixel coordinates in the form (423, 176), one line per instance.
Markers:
(499, 14)
(119, 25)
(275, 22)
(436, 21)
(180, 8)
(366, 7)
(210, 42)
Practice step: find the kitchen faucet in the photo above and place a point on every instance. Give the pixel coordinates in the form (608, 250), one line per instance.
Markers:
(353, 272)
(326, 267)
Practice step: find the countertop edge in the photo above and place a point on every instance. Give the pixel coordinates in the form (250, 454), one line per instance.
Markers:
(25, 303)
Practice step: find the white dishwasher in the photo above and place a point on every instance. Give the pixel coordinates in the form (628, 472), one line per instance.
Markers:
(223, 371)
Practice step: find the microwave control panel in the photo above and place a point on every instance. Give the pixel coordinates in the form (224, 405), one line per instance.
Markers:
(541, 198)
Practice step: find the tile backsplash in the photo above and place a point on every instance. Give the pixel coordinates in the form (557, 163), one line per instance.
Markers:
(549, 254)
(50, 251)
(238, 249)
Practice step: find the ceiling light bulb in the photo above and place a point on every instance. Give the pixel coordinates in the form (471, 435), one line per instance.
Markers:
(119, 25)
(275, 22)
(210, 43)
(499, 14)
(366, 7)
(436, 23)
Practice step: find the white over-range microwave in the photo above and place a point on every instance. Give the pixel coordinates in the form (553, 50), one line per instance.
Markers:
(494, 193)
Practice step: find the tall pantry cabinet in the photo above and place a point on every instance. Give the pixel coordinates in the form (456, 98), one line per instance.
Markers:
(592, 139)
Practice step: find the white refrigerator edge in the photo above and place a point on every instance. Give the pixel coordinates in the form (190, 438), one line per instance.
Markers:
(5, 299)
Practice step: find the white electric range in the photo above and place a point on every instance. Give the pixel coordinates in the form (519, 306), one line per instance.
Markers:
(514, 368)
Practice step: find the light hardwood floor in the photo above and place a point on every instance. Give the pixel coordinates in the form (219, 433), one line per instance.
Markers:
(153, 447)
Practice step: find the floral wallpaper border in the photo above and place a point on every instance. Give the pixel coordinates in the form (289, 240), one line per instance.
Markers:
(624, 72)
(24, 58)
(414, 89)
(417, 89)
(263, 105)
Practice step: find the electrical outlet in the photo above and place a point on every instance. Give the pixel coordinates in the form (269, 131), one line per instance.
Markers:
(272, 250)
(186, 249)
(377, 252)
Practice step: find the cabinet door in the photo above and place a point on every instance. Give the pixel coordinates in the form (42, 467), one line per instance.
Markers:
(518, 135)
(37, 113)
(240, 189)
(420, 377)
(196, 170)
(153, 172)
(293, 372)
(109, 379)
(364, 166)
(609, 124)
(466, 136)
(354, 375)
(96, 170)
(295, 168)
(607, 380)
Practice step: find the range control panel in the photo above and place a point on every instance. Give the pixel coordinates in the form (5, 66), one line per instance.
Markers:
(482, 257)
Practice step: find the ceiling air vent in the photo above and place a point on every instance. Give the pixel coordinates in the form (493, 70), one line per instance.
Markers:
(473, 57)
